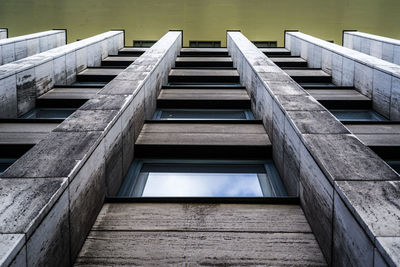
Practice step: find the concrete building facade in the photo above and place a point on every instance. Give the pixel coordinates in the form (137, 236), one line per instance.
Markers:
(117, 155)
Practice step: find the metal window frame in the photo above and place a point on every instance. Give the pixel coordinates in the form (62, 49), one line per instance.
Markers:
(133, 184)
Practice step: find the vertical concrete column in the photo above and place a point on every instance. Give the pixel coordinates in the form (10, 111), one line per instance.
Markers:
(23, 80)
(51, 196)
(347, 192)
(3, 33)
(377, 46)
(16, 48)
(373, 77)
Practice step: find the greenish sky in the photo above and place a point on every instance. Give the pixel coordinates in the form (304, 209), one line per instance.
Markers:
(202, 19)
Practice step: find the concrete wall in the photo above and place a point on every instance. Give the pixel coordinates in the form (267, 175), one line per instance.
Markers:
(378, 46)
(16, 48)
(347, 192)
(51, 196)
(373, 77)
(3, 33)
(22, 81)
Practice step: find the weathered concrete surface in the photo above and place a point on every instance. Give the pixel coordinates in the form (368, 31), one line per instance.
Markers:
(205, 234)
(10, 245)
(389, 248)
(22, 81)
(315, 147)
(352, 161)
(23, 46)
(48, 158)
(3, 33)
(373, 77)
(78, 156)
(377, 46)
(24, 133)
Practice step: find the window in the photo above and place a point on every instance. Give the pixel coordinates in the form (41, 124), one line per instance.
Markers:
(204, 43)
(202, 179)
(203, 114)
(5, 163)
(48, 113)
(143, 43)
(357, 115)
(395, 164)
(265, 44)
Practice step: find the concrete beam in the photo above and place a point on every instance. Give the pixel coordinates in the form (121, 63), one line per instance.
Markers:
(340, 180)
(373, 77)
(22, 81)
(3, 33)
(378, 46)
(16, 48)
(52, 195)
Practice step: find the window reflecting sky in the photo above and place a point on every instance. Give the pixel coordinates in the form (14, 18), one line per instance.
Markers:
(202, 184)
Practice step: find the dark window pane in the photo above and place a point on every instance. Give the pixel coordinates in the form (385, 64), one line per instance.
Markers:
(357, 115)
(49, 113)
(205, 114)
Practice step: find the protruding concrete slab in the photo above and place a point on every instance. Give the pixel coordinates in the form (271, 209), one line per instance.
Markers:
(203, 72)
(203, 134)
(234, 234)
(204, 62)
(24, 133)
(204, 75)
(133, 50)
(274, 51)
(203, 94)
(204, 59)
(204, 52)
(200, 217)
(177, 248)
(289, 61)
(309, 75)
(70, 93)
(337, 94)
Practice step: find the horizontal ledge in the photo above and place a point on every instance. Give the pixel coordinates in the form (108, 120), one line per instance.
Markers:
(216, 200)
(207, 121)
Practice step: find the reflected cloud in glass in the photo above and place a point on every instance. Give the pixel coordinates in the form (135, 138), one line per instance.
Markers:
(202, 184)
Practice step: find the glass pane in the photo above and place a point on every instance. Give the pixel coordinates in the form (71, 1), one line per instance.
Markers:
(5, 163)
(202, 179)
(357, 115)
(395, 164)
(203, 114)
(202, 185)
(49, 113)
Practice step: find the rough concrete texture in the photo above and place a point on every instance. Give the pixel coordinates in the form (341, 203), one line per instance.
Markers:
(30, 44)
(381, 47)
(330, 158)
(369, 74)
(53, 193)
(36, 74)
(201, 234)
